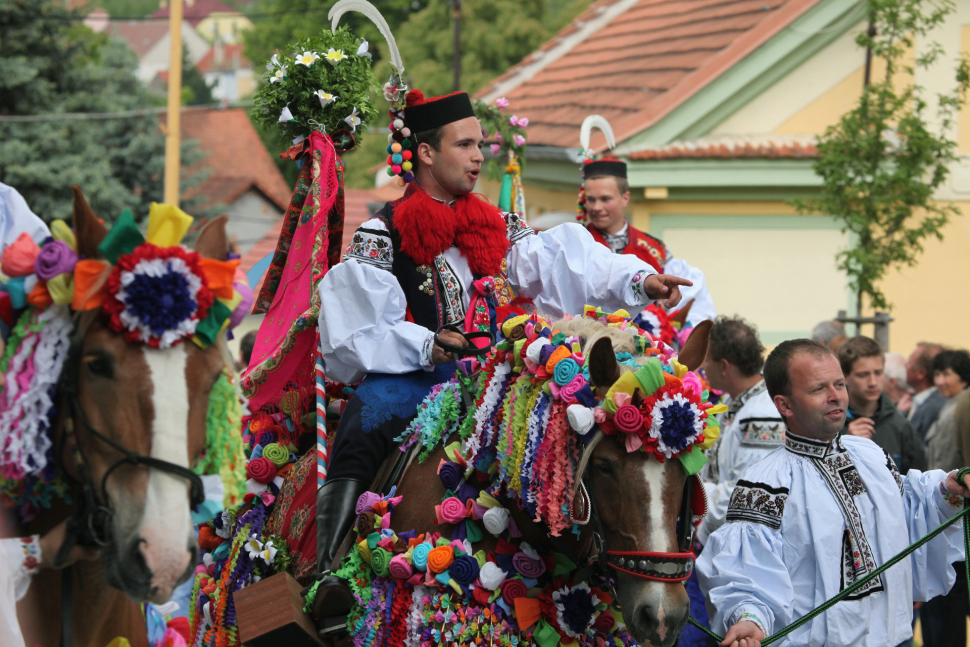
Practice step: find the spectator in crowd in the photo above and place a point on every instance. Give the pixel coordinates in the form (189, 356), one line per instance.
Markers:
(951, 374)
(751, 428)
(830, 333)
(927, 401)
(896, 387)
(246, 345)
(815, 518)
(943, 618)
(871, 413)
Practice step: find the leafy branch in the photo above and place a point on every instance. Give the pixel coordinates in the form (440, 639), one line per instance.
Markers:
(881, 163)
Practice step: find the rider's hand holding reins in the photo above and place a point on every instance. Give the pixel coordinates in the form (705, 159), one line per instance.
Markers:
(659, 286)
(51, 542)
(440, 355)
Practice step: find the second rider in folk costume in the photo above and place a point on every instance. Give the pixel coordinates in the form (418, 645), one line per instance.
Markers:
(607, 194)
(429, 259)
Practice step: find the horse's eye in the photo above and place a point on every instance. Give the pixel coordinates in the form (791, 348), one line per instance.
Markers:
(605, 467)
(100, 367)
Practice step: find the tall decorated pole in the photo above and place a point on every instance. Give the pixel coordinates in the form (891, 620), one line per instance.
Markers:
(173, 125)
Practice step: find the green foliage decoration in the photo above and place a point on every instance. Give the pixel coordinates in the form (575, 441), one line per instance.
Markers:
(297, 95)
(882, 163)
(505, 134)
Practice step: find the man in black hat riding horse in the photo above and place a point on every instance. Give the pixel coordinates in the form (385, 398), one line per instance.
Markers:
(440, 255)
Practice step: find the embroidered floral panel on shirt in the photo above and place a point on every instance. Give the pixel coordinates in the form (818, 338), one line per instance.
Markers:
(454, 291)
(891, 465)
(371, 246)
(762, 432)
(757, 503)
(517, 228)
(842, 477)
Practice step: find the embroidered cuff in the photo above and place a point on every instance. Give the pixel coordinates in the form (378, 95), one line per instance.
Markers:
(636, 284)
(745, 613)
(954, 502)
(20, 557)
(426, 361)
(30, 548)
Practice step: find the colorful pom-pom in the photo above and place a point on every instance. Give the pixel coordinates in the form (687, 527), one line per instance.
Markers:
(406, 166)
(396, 169)
(395, 148)
(408, 177)
(396, 159)
(398, 124)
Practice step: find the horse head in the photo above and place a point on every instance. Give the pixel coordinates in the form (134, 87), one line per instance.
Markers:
(151, 402)
(637, 497)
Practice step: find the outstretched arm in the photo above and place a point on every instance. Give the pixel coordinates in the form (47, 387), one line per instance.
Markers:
(564, 269)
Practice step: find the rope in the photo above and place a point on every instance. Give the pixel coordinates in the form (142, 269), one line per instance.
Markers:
(831, 602)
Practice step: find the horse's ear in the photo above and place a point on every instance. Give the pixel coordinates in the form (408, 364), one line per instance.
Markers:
(88, 229)
(695, 350)
(603, 369)
(212, 241)
(681, 315)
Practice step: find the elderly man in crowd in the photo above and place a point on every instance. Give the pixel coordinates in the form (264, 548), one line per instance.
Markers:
(822, 514)
(896, 387)
(927, 401)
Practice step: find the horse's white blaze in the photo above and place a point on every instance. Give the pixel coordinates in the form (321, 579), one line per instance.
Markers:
(658, 538)
(166, 524)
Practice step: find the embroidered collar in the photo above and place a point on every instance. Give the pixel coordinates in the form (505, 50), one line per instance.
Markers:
(811, 447)
(754, 391)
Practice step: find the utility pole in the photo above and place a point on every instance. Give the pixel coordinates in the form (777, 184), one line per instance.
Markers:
(456, 62)
(173, 115)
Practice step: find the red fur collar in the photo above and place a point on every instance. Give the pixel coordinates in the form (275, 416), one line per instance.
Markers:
(428, 227)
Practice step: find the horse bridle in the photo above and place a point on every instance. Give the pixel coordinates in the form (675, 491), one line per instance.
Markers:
(647, 565)
(89, 524)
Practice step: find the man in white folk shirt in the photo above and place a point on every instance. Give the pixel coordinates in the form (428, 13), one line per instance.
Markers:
(417, 266)
(751, 427)
(820, 514)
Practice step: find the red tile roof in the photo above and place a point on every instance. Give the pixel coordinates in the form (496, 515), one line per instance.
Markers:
(634, 69)
(236, 156)
(733, 148)
(141, 35)
(197, 11)
(232, 59)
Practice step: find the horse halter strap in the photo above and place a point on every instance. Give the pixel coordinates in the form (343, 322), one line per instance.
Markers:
(90, 529)
(647, 565)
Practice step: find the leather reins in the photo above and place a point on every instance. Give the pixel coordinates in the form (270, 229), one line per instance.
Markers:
(90, 522)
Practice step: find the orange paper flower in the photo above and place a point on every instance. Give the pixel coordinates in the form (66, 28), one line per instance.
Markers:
(440, 558)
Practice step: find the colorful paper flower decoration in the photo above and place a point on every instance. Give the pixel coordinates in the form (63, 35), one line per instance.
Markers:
(325, 98)
(362, 50)
(157, 296)
(353, 120)
(279, 76)
(309, 58)
(334, 56)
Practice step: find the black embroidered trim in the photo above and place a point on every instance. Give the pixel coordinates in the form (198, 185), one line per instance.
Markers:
(891, 465)
(809, 447)
(837, 470)
(757, 503)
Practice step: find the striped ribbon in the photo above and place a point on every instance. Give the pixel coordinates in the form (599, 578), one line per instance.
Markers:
(322, 456)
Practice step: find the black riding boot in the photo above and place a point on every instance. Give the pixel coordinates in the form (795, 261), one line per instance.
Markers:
(336, 502)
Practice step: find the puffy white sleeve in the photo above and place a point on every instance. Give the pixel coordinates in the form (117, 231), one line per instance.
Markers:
(743, 572)
(563, 269)
(703, 307)
(927, 504)
(20, 558)
(362, 325)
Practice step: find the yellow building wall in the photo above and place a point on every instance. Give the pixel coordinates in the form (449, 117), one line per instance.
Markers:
(228, 26)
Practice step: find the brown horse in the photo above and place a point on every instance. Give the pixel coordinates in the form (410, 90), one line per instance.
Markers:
(638, 498)
(152, 402)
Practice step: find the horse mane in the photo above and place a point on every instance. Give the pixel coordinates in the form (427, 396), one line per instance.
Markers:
(521, 431)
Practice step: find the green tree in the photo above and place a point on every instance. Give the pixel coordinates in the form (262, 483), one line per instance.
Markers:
(881, 163)
(195, 91)
(495, 35)
(52, 64)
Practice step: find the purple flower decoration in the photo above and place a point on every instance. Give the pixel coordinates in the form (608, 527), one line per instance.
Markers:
(56, 257)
